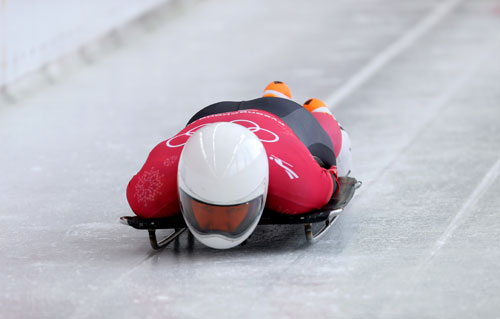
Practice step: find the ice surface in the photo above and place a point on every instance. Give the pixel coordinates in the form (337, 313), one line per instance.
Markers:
(425, 135)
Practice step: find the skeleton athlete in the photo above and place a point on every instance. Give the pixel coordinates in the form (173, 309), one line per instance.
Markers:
(235, 158)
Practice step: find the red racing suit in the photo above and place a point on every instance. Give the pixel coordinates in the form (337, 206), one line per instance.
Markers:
(297, 183)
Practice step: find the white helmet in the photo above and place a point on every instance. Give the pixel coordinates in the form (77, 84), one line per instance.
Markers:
(223, 178)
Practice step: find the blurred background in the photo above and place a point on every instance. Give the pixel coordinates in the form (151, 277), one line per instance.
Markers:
(35, 34)
(87, 89)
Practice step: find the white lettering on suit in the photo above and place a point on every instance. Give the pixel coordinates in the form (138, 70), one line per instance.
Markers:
(286, 166)
(178, 141)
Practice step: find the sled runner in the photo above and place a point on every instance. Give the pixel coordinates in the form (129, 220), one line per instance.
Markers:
(325, 216)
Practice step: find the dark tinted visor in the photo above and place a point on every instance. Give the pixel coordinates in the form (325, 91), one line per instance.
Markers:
(227, 220)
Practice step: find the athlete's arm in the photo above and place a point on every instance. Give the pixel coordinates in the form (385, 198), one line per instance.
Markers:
(152, 192)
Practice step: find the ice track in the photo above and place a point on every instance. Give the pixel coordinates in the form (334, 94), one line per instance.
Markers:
(414, 82)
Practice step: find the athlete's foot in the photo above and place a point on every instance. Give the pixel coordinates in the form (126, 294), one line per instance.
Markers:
(316, 105)
(277, 89)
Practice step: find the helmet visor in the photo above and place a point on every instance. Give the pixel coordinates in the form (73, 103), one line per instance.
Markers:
(227, 220)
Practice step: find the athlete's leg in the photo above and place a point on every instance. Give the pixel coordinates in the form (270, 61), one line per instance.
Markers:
(327, 121)
(316, 106)
(339, 137)
(277, 89)
(273, 89)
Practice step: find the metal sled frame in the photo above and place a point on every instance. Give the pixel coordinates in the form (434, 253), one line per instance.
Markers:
(327, 215)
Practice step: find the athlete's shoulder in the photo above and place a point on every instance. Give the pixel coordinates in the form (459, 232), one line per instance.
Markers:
(281, 107)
